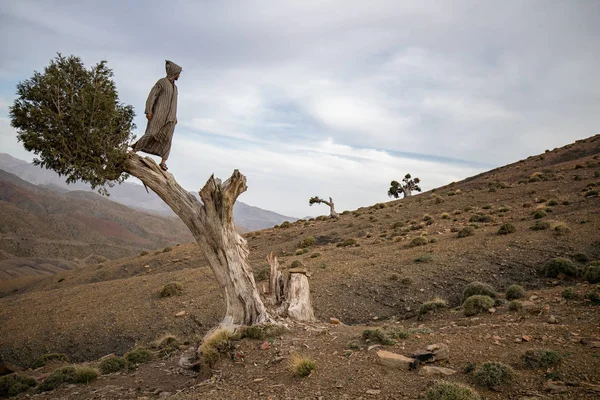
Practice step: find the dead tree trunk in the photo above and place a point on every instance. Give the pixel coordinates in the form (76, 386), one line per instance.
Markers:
(211, 223)
(317, 199)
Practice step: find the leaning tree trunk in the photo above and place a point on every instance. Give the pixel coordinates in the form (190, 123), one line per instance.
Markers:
(332, 213)
(211, 223)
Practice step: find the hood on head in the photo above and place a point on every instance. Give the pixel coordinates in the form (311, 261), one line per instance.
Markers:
(172, 69)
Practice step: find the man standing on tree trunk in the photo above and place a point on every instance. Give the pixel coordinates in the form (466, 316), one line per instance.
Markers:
(161, 112)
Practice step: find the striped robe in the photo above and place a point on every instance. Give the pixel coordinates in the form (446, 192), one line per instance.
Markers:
(162, 104)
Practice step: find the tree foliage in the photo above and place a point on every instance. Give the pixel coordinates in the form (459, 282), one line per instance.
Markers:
(405, 188)
(70, 117)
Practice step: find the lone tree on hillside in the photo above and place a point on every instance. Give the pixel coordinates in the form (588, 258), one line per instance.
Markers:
(405, 188)
(332, 212)
(72, 120)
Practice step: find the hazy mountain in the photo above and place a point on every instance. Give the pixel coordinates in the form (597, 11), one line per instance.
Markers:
(135, 196)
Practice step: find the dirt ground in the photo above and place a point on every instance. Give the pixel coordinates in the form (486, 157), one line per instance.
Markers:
(381, 281)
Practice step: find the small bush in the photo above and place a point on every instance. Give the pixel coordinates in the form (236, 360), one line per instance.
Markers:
(493, 374)
(540, 226)
(539, 214)
(552, 203)
(58, 378)
(307, 242)
(397, 225)
(260, 332)
(299, 252)
(480, 218)
(445, 216)
(13, 384)
(515, 305)
(315, 255)
(262, 274)
(560, 265)
(591, 272)
(466, 231)
(112, 364)
(56, 357)
(167, 249)
(85, 375)
(302, 366)
(443, 390)
(540, 358)
(507, 228)
(212, 347)
(167, 344)
(431, 307)
(138, 356)
(296, 264)
(478, 288)
(285, 225)
(581, 257)
(561, 230)
(569, 294)
(418, 241)
(347, 242)
(427, 217)
(425, 258)
(377, 336)
(477, 304)
(594, 295)
(171, 289)
(144, 253)
(514, 292)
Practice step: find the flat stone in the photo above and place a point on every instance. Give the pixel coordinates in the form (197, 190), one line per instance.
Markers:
(180, 314)
(334, 321)
(431, 371)
(265, 345)
(552, 319)
(373, 391)
(555, 386)
(439, 350)
(394, 360)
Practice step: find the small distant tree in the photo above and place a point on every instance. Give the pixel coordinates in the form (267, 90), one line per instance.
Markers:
(332, 212)
(405, 188)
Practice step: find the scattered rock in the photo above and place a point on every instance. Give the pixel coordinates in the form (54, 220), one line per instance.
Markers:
(431, 371)
(439, 350)
(258, 380)
(373, 346)
(265, 345)
(492, 310)
(165, 394)
(552, 319)
(555, 387)
(181, 313)
(394, 360)
(373, 391)
(334, 321)
(526, 338)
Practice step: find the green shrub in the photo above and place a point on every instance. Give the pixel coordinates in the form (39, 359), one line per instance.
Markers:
(466, 231)
(445, 216)
(418, 241)
(57, 357)
(262, 274)
(591, 272)
(507, 228)
(112, 364)
(347, 242)
(480, 218)
(569, 294)
(493, 374)
(594, 295)
(539, 214)
(561, 230)
(171, 289)
(144, 253)
(377, 336)
(166, 344)
(540, 358)
(514, 292)
(425, 258)
(58, 378)
(138, 356)
(443, 390)
(285, 225)
(302, 366)
(397, 225)
(515, 305)
(299, 252)
(477, 304)
(427, 217)
(85, 375)
(167, 249)
(307, 242)
(13, 384)
(315, 255)
(560, 265)
(478, 288)
(218, 342)
(581, 257)
(296, 264)
(552, 203)
(260, 332)
(540, 225)
(431, 307)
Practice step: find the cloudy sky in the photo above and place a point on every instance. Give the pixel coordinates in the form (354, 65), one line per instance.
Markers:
(331, 98)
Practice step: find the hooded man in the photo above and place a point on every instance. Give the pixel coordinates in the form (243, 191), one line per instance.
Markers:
(161, 112)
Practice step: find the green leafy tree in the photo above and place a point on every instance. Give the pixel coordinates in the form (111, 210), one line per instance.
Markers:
(405, 188)
(70, 117)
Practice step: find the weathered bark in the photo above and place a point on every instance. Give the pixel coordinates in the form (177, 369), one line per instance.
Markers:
(291, 293)
(332, 212)
(212, 225)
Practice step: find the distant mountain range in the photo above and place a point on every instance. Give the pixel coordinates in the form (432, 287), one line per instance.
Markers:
(133, 195)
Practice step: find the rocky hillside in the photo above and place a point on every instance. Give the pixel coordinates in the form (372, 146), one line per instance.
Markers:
(374, 267)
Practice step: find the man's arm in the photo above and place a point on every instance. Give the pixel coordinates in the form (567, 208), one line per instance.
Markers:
(154, 93)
